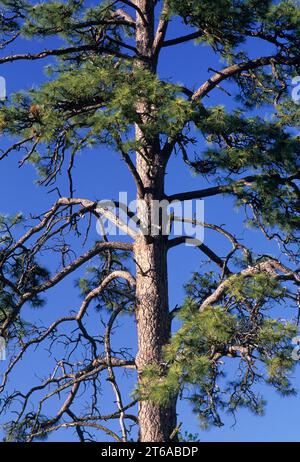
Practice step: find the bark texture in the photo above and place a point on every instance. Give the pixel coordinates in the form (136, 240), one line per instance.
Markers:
(157, 423)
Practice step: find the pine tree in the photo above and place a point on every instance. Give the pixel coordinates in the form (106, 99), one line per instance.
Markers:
(104, 89)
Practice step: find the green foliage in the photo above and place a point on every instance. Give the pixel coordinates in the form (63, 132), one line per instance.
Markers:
(23, 271)
(63, 19)
(14, 433)
(92, 101)
(196, 361)
(223, 22)
(92, 105)
(17, 432)
(220, 353)
(188, 437)
(258, 287)
(50, 17)
(226, 24)
(256, 147)
(9, 23)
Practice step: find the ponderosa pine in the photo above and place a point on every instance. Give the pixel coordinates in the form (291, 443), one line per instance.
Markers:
(104, 88)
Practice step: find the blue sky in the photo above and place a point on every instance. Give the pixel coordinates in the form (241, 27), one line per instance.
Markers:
(100, 174)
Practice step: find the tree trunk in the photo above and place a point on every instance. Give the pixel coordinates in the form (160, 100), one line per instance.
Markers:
(157, 422)
(152, 311)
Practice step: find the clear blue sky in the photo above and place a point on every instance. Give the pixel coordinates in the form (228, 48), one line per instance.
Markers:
(100, 174)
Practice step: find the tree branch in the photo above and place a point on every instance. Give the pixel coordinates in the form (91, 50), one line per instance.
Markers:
(230, 188)
(270, 267)
(230, 71)
(64, 51)
(99, 247)
(161, 30)
(183, 39)
(97, 291)
(129, 21)
(111, 374)
(206, 250)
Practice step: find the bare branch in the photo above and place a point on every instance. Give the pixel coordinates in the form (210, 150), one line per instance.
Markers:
(97, 291)
(81, 424)
(99, 247)
(206, 250)
(183, 39)
(129, 21)
(161, 30)
(111, 374)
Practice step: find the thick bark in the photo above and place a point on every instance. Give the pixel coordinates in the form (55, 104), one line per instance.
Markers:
(153, 323)
(157, 422)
